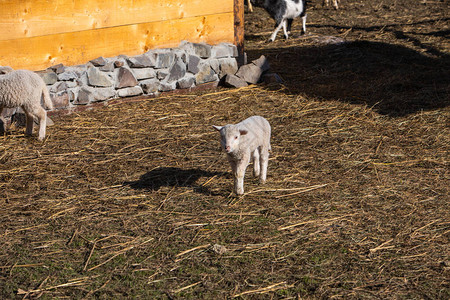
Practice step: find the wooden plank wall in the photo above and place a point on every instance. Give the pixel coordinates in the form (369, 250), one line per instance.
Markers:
(36, 34)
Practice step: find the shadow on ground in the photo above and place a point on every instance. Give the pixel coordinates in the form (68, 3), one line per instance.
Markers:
(174, 177)
(393, 79)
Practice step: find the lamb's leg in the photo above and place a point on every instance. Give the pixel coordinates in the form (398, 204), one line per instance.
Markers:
(264, 159)
(285, 29)
(256, 163)
(29, 121)
(303, 24)
(275, 32)
(42, 116)
(240, 173)
(2, 122)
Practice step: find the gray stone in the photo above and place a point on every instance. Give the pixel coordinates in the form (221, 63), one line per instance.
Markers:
(48, 76)
(144, 73)
(215, 65)
(60, 100)
(202, 50)
(108, 67)
(186, 82)
(119, 63)
(125, 78)
(162, 74)
(58, 69)
(193, 62)
(227, 66)
(58, 87)
(177, 71)
(262, 63)
(167, 86)
(164, 59)
(67, 75)
(206, 74)
(99, 61)
(234, 50)
(129, 92)
(98, 78)
(73, 93)
(150, 85)
(250, 73)
(5, 69)
(90, 94)
(141, 61)
(231, 80)
(221, 51)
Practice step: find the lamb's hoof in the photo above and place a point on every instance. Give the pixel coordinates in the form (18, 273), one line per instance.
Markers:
(269, 41)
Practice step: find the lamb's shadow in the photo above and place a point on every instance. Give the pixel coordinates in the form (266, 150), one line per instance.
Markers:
(175, 177)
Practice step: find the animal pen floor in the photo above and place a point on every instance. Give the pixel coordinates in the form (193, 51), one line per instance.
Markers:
(133, 200)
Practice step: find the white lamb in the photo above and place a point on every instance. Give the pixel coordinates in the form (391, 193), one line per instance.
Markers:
(243, 142)
(25, 89)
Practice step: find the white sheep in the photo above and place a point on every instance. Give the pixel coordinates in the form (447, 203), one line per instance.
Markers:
(243, 142)
(25, 89)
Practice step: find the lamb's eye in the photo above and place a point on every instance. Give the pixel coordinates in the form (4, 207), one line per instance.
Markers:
(236, 137)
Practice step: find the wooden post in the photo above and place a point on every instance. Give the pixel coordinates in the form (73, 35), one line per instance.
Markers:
(239, 29)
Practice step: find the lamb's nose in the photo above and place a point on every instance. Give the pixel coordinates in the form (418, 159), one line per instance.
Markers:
(227, 148)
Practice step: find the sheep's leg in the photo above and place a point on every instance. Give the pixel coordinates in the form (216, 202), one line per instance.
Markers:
(42, 116)
(256, 163)
(2, 122)
(285, 30)
(233, 165)
(289, 25)
(30, 122)
(240, 173)
(264, 159)
(275, 32)
(303, 24)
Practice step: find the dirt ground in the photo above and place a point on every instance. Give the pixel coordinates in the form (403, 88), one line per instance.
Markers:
(134, 200)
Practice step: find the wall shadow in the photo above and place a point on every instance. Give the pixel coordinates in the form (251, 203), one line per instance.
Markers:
(171, 177)
(392, 79)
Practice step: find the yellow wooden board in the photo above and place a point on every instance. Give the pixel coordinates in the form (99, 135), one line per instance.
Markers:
(74, 48)
(32, 18)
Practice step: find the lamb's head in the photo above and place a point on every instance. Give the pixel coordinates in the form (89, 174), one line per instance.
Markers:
(229, 136)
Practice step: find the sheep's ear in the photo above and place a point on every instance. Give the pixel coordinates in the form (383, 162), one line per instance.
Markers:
(217, 127)
(243, 131)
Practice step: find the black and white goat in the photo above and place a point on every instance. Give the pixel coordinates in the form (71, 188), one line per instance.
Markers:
(284, 12)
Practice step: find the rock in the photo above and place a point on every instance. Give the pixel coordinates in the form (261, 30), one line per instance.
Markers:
(119, 63)
(58, 69)
(150, 85)
(58, 87)
(162, 74)
(129, 92)
(167, 86)
(144, 73)
(125, 78)
(48, 76)
(186, 82)
(250, 73)
(108, 67)
(206, 74)
(193, 62)
(60, 100)
(215, 65)
(227, 66)
(202, 50)
(98, 78)
(221, 51)
(89, 94)
(73, 93)
(67, 75)
(231, 80)
(164, 59)
(141, 61)
(177, 71)
(98, 62)
(262, 63)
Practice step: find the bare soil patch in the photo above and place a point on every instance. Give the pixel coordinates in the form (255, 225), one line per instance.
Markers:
(134, 199)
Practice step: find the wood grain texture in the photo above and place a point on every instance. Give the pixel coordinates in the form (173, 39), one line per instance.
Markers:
(31, 18)
(74, 48)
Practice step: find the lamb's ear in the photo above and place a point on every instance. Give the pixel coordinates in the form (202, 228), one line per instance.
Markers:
(243, 131)
(217, 127)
